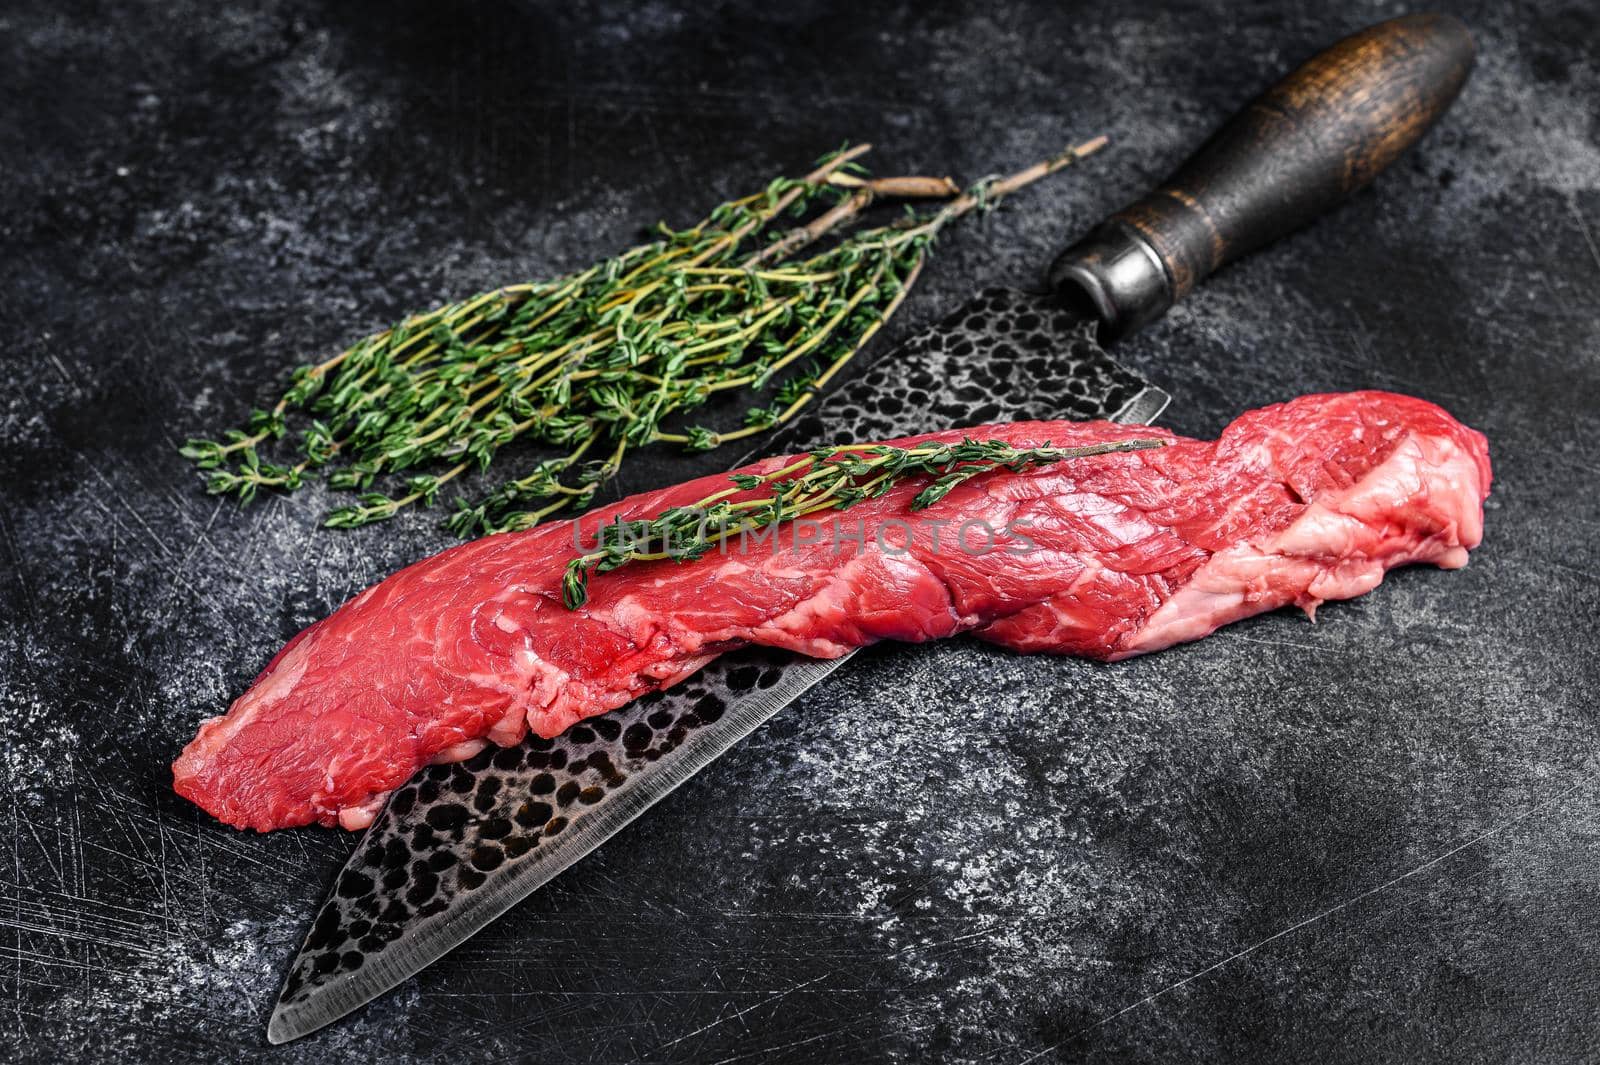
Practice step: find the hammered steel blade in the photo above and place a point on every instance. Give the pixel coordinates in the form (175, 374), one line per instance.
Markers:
(1005, 356)
(460, 844)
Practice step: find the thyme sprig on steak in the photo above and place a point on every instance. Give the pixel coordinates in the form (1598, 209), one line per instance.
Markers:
(599, 362)
(829, 479)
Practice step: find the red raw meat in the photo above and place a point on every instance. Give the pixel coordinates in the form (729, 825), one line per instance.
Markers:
(1105, 557)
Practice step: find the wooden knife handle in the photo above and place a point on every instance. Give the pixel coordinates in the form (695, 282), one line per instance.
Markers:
(1293, 153)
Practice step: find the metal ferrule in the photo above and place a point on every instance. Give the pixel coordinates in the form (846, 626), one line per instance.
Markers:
(1120, 274)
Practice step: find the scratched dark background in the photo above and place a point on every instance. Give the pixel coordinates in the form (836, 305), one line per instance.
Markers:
(1372, 838)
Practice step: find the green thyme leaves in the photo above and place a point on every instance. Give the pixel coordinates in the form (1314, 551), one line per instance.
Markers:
(830, 479)
(595, 364)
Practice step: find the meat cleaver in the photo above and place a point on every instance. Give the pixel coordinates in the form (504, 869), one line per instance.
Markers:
(459, 844)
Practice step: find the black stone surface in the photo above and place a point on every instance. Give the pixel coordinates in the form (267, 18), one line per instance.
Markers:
(1374, 838)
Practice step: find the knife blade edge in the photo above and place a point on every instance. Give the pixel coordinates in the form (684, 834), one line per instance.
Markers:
(437, 935)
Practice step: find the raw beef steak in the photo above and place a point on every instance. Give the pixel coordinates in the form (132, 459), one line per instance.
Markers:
(1104, 557)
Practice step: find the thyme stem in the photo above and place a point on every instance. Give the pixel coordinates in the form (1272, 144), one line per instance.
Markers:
(833, 478)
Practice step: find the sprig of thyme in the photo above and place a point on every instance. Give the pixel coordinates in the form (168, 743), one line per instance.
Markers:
(599, 362)
(834, 478)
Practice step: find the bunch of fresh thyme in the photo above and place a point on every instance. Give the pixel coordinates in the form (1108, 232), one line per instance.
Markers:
(592, 364)
(834, 478)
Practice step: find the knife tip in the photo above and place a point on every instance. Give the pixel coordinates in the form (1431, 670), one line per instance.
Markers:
(283, 1027)
(279, 1031)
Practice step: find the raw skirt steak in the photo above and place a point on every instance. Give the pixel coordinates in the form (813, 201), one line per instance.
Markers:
(1104, 557)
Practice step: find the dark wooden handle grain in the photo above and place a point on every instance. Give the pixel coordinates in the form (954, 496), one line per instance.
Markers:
(1304, 145)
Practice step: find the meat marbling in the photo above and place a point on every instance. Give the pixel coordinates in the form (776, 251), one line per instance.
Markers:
(1103, 557)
